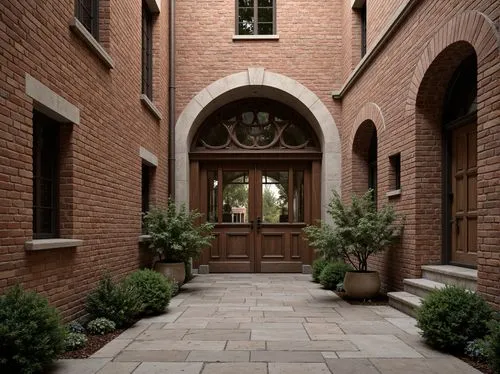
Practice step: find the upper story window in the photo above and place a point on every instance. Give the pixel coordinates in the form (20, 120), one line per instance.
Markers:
(362, 12)
(87, 12)
(256, 17)
(147, 52)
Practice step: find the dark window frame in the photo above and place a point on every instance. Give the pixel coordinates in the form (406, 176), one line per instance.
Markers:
(147, 51)
(395, 161)
(255, 18)
(46, 152)
(363, 15)
(90, 8)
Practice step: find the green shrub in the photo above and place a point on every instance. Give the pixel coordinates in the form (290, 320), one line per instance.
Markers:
(120, 303)
(451, 317)
(100, 326)
(74, 341)
(317, 268)
(75, 326)
(476, 349)
(492, 342)
(333, 274)
(30, 330)
(154, 289)
(175, 288)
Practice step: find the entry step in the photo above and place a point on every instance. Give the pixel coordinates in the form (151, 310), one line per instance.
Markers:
(451, 275)
(421, 287)
(405, 302)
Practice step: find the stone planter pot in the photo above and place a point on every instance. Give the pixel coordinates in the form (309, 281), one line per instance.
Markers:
(176, 272)
(361, 285)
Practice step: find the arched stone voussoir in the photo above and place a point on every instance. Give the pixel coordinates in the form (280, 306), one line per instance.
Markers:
(368, 112)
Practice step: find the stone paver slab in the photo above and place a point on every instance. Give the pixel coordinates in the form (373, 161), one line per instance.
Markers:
(235, 368)
(323, 331)
(133, 332)
(352, 366)
(152, 356)
(222, 356)
(217, 334)
(429, 366)
(118, 368)
(383, 346)
(111, 349)
(162, 334)
(179, 345)
(169, 368)
(279, 334)
(83, 366)
(299, 368)
(246, 345)
(319, 345)
(407, 324)
(286, 356)
(369, 327)
(417, 343)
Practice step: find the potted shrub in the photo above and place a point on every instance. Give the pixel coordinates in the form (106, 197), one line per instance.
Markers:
(176, 237)
(359, 231)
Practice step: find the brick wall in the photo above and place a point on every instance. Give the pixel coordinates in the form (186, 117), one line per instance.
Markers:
(101, 168)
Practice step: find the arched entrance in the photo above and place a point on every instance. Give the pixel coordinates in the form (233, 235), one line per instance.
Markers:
(364, 159)
(255, 167)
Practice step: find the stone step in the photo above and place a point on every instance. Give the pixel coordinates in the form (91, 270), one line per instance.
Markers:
(421, 287)
(405, 302)
(451, 275)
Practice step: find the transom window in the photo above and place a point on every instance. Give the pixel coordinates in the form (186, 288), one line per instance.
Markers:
(256, 17)
(257, 124)
(87, 12)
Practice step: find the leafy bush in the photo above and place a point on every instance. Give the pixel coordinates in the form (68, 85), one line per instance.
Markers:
(451, 317)
(100, 326)
(74, 341)
(492, 343)
(360, 230)
(30, 330)
(154, 289)
(317, 268)
(176, 235)
(76, 327)
(333, 274)
(175, 288)
(476, 349)
(120, 303)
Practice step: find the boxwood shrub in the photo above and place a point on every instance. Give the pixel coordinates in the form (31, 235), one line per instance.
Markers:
(333, 274)
(31, 334)
(154, 290)
(317, 268)
(451, 317)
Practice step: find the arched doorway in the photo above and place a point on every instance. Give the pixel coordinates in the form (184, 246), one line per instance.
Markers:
(255, 173)
(460, 160)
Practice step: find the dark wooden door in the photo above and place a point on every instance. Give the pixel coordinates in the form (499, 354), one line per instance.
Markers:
(464, 191)
(259, 210)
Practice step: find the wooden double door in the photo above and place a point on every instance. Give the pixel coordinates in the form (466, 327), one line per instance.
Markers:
(259, 210)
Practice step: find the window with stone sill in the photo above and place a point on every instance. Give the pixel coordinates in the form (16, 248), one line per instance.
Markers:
(87, 12)
(147, 51)
(255, 17)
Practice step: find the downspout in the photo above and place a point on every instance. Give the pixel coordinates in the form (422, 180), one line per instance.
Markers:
(171, 102)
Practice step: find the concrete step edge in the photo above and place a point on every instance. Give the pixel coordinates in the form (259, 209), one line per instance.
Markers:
(450, 270)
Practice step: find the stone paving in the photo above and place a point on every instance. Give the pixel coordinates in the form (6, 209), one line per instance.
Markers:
(267, 324)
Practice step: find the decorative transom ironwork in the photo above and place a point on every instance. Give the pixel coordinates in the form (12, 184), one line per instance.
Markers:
(255, 124)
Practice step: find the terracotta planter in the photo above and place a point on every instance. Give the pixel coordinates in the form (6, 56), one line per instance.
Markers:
(361, 285)
(176, 272)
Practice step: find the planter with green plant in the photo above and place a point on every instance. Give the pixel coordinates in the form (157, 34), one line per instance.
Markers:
(177, 235)
(359, 230)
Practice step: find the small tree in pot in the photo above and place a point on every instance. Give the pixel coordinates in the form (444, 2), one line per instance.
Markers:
(359, 231)
(176, 237)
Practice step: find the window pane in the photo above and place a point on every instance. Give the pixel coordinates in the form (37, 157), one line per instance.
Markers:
(265, 28)
(298, 196)
(213, 184)
(246, 14)
(235, 196)
(294, 136)
(245, 28)
(245, 3)
(265, 3)
(265, 15)
(274, 196)
(214, 136)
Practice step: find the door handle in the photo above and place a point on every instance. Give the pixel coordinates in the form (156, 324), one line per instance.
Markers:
(258, 224)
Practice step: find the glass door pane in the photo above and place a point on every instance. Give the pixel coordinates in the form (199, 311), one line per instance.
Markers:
(235, 190)
(213, 184)
(275, 196)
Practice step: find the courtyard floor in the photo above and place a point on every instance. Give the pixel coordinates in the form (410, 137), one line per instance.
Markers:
(267, 324)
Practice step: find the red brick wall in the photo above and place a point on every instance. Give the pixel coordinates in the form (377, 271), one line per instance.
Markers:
(411, 129)
(101, 171)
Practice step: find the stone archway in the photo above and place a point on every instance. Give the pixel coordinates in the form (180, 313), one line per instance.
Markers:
(258, 82)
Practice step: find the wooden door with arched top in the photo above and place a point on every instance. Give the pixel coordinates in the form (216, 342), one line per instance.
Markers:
(255, 173)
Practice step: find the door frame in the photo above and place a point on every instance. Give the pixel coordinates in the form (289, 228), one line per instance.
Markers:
(446, 196)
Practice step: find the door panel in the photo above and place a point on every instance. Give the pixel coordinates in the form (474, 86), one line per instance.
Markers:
(464, 189)
(259, 211)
